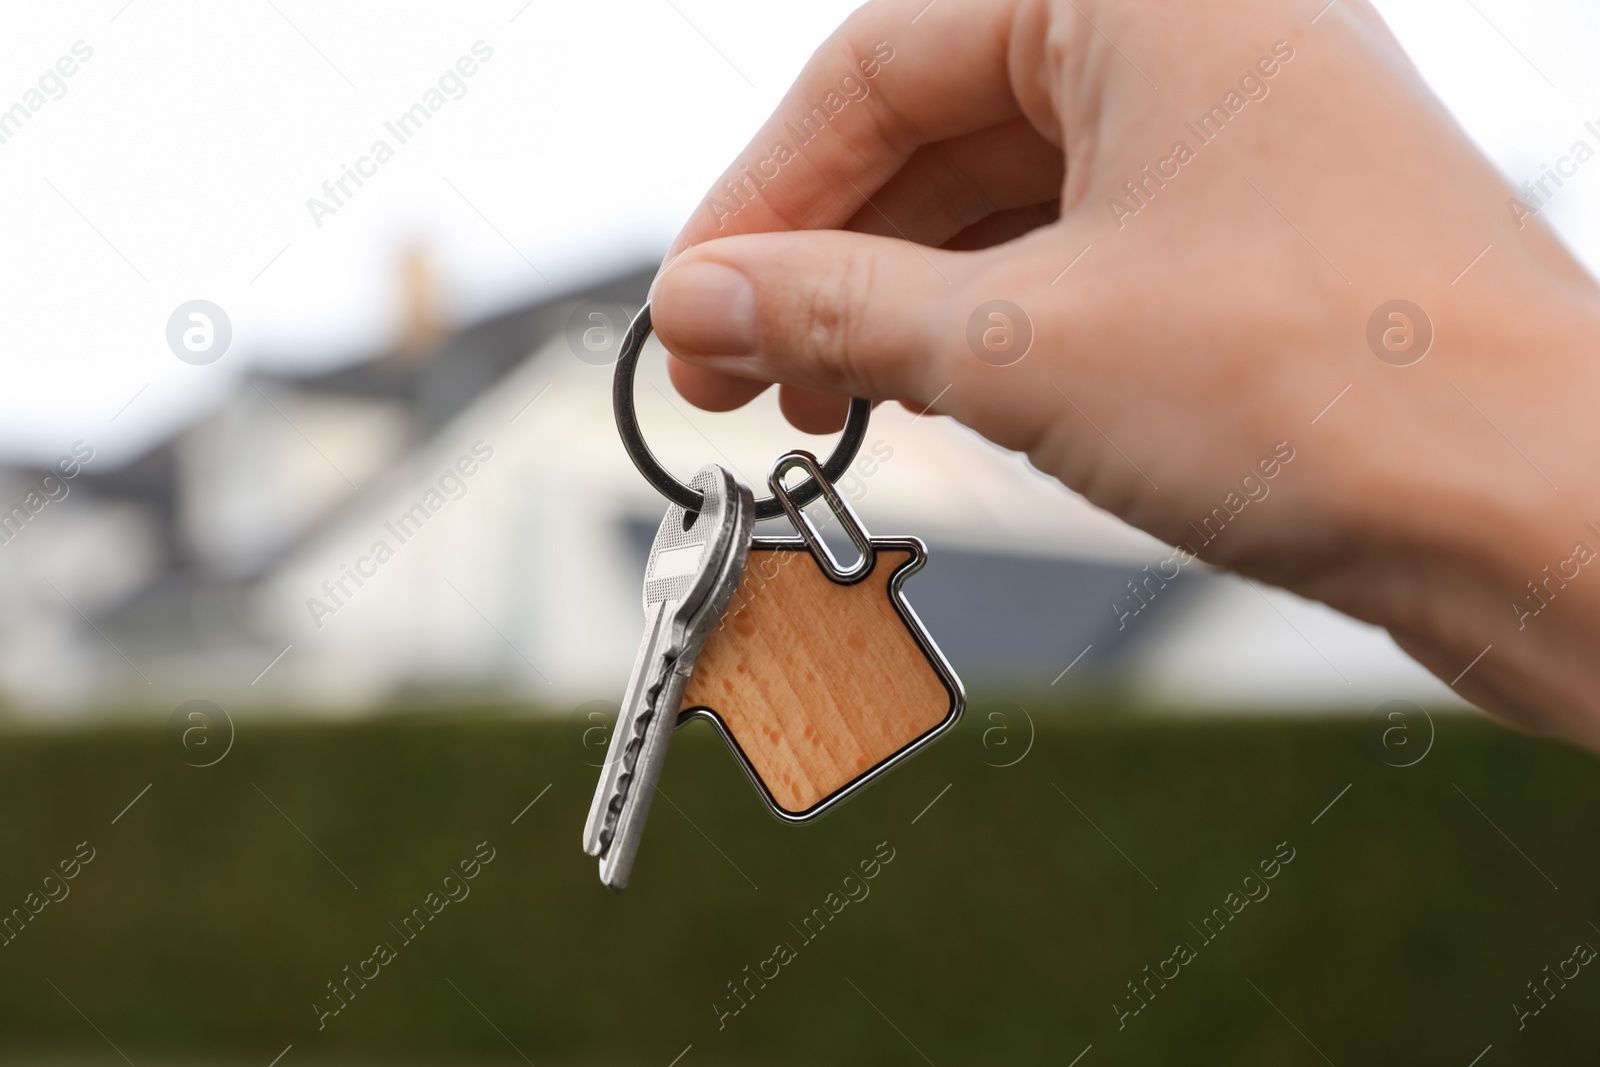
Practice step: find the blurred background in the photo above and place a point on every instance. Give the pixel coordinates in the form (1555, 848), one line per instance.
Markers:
(257, 376)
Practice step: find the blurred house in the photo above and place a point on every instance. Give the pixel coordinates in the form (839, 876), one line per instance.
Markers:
(456, 516)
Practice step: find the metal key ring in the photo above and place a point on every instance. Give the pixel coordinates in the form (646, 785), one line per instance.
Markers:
(855, 432)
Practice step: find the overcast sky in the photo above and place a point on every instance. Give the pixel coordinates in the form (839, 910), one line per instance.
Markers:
(175, 163)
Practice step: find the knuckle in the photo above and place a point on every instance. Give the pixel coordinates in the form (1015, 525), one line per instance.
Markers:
(835, 317)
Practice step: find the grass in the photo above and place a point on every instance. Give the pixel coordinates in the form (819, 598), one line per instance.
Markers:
(1005, 929)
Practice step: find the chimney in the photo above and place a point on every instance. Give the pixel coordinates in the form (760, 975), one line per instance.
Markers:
(421, 318)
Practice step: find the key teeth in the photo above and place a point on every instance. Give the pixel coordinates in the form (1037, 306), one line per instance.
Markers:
(630, 757)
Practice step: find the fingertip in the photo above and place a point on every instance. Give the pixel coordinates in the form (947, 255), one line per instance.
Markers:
(709, 390)
(918, 409)
(702, 307)
(812, 412)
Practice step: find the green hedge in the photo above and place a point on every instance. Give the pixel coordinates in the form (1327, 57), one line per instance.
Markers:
(1004, 927)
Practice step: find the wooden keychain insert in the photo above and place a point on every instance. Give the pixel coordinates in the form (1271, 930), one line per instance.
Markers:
(822, 678)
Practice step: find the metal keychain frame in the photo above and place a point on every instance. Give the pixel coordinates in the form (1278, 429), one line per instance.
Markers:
(810, 542)
(639, 330)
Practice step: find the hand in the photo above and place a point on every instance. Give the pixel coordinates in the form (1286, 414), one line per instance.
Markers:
(1194, 210)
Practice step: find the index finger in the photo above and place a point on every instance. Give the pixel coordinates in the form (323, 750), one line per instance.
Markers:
(896, 75)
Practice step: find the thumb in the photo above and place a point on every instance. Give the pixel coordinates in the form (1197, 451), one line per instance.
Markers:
(836, 312)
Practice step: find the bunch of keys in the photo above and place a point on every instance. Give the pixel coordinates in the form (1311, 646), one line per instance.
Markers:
(820, 677)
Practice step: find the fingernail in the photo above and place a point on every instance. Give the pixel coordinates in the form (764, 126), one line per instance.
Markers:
(706, 309)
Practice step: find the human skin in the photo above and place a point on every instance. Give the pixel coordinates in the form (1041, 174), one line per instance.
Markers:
(1199, 332)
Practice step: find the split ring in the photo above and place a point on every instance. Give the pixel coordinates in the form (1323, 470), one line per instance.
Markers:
(855, 432)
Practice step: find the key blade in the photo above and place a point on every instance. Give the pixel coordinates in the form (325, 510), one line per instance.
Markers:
(638, 759)
(658, 629)
(684, 575)
(665, 696)
(628, 830)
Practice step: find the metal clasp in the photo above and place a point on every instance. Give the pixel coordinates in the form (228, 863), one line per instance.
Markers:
(808, 531)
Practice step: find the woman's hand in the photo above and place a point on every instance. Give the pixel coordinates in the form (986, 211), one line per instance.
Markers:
(1154, 245)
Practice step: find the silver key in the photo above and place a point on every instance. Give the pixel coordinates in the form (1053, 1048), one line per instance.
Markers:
(695, 566)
